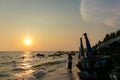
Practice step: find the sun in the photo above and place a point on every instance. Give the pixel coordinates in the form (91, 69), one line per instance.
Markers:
(27, 41)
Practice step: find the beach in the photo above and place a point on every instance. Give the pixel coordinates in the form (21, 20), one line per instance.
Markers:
(61, 73)
(34, 68)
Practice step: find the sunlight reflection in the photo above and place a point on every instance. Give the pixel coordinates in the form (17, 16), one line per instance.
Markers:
(24, 74)
(27, 60)
(26, 65)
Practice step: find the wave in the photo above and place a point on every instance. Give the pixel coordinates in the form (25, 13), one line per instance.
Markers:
(49, 63)
(38, 75)
(18, 69)
(51, 70)
(14, 62)
(11, 62)
(4, 75)
(34, 76)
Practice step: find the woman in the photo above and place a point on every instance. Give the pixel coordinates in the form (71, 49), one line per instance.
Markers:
(70, 63)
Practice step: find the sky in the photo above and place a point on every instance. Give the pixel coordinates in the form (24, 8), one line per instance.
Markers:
(56, 24)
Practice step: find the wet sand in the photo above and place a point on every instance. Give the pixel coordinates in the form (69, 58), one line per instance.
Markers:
(61, 73)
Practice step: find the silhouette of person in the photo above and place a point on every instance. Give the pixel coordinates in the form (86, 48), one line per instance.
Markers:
(69, 62)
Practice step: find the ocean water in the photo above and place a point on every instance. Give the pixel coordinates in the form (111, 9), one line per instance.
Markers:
(14, 67)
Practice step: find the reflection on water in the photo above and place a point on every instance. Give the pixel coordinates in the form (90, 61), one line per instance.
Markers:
(25, 65)
(26, 61)
(24, 74)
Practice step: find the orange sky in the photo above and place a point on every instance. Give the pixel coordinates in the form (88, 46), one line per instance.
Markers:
(52, 24)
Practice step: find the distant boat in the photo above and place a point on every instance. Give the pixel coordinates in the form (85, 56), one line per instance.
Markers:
(91, 67)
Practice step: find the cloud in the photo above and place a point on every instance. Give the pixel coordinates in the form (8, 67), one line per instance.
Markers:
(113, 22)
(102, 11)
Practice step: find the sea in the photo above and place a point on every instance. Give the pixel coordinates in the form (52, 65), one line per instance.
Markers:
(25, 65)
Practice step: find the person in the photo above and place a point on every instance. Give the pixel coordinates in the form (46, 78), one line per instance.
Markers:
(70, 62)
